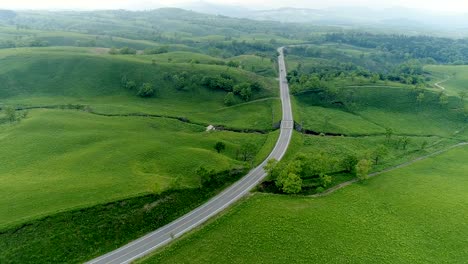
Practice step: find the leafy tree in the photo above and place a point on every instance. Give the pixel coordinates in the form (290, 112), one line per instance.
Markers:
(130, 85)
(325, 180)
(405, 142)
(246, 94)
(113, 51)
(146, 90)
(206, 176)
(127, 50)
(218, 83)
(362, 169)
(229, 99)
(379, 153)
(256, 87)
(233, 64)
(247, 151)
(443, 99)
(10, 113)
(349, 163)
(420, 98)
(292, 184)
(271, 168)
(156, 50)
(238, 88)
(220, 146)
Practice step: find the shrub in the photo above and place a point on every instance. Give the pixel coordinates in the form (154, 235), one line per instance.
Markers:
(146, 90)
(229, 99)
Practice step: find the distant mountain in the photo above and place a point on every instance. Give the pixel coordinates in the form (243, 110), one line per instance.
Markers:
(217, 9)
(398, 18)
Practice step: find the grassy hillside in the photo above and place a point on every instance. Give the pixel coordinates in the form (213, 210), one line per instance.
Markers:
(57, 76)
(410, 215)
(76, 159)
(456, 77)
(362, 106)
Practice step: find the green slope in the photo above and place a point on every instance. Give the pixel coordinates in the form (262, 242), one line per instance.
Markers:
(412, 215)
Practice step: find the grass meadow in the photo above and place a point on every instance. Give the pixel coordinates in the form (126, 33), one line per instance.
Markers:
(397, 217)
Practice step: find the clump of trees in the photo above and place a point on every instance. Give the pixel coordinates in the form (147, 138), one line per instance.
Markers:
(123, 51)
(440, 50)
(12, 115)
(156, 50)
(219, 146)
(362, 169)
(225, 82)
(289, 177)
(144, 90)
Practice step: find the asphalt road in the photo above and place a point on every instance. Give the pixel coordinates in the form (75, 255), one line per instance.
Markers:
(195, 218)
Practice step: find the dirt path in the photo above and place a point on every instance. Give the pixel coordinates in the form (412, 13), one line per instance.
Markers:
(344, 184)
(438, 84)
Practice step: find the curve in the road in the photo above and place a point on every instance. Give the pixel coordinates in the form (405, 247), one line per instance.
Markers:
(195, 218)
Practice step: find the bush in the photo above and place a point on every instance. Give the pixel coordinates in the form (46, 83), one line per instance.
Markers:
(320, 189)
(158, 50)
(146, 90)
(229, 99)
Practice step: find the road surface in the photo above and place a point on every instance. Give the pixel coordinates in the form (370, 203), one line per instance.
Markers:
(195, 218)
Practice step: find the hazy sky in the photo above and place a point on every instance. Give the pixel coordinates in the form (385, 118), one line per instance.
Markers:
(459, 6)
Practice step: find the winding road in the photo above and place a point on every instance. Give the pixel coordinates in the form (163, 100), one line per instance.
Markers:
(197, 217)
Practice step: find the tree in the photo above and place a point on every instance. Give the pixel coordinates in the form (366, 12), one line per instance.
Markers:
(146, 90)
(130, 85)
(206, 176)
(220, 146)
(233, 64)
(256, 87)
(247, 151)
(229, 99)
(127, 50)
(292, 184)
(379, 153)
(388, 134)
(113, 51)
(246, 94)
(362, 169)
(271, 168)
(420, 98)
(443, 99)
(325, 180)
(349, 163)
(10, 113)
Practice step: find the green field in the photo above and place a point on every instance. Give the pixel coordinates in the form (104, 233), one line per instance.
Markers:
(416, 214)
(76, 159)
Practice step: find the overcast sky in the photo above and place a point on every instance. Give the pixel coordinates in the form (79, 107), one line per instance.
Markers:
(458, 6)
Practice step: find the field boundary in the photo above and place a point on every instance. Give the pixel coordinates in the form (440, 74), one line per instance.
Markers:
(84, 108)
